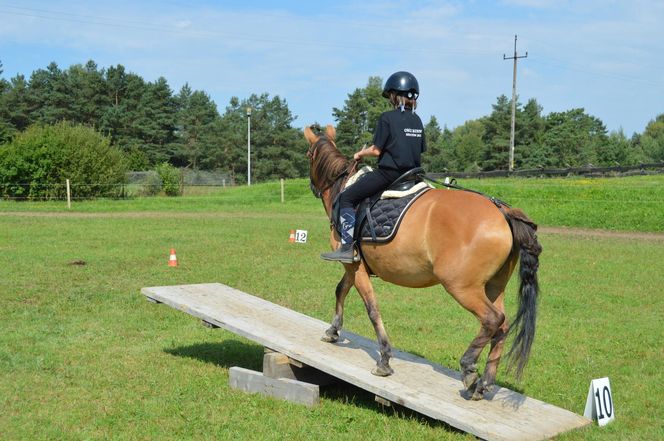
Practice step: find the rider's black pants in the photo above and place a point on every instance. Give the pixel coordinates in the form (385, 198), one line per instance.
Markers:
(369, 184)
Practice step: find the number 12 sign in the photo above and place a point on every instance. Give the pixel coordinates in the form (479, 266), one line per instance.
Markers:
(599, 404)
(301, 236)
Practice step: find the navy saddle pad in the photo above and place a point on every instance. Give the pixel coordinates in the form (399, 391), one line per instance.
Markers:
(385, 217)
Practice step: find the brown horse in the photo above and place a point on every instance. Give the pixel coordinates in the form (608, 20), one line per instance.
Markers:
(465, 241)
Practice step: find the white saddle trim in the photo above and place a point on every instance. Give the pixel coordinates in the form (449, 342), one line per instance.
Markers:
(394, 194)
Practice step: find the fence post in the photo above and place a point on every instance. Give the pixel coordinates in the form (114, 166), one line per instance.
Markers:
(68, 195)
(282, 189)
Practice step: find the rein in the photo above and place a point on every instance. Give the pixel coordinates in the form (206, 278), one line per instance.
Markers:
(497, 202)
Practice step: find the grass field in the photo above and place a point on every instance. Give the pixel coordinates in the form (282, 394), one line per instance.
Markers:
(84, 356)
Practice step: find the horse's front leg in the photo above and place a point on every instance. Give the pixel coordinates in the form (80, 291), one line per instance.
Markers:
(344, 285)
(365, 288)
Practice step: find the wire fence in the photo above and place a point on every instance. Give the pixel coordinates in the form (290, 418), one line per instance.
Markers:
(137, 184)
(588, 171)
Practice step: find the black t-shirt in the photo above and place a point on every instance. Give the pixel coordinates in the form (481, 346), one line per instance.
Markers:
(400, 138)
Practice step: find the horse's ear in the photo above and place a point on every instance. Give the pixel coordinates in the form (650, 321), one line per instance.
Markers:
(331, 132)
(310, 135)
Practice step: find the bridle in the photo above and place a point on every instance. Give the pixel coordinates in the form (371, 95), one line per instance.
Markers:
(311, 154)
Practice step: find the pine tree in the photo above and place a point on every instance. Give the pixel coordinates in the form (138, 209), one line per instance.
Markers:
(119, 119)
(196, 116)
(529, 135)
(359, 116)
(89, 93)
(14, 108)
(496, 138)
(433, 136)
(155, 122)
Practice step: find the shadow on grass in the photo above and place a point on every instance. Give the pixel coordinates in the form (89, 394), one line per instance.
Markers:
(353, 395)
(231, 353)
(225, 354)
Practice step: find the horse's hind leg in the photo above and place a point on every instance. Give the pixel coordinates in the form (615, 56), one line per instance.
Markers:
(491, 319)
(496, 351)
(495, 291)
(365, 288)
(344, 285)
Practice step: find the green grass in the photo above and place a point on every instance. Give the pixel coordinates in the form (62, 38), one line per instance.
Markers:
(84, 356)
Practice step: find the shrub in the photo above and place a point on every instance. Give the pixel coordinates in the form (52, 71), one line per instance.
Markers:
(37, 162)
(170, 179)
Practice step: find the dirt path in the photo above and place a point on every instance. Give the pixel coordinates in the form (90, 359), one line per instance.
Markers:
(588, 232)
(565, 231)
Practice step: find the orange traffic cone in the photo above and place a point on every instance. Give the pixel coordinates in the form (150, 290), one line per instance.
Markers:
(173, 260)
(291, 238)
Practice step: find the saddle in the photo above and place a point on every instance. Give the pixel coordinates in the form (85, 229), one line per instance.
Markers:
(378, 217)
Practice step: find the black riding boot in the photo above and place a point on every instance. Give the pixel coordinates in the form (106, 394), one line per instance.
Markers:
(345, 253)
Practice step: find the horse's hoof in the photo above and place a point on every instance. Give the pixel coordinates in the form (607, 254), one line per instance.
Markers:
(330, 337)
(382, 371)
(477, 395)
(470, 380)
(480, 389)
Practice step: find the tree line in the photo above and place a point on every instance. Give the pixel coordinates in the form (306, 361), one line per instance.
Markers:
(566, 139)
(151, 124)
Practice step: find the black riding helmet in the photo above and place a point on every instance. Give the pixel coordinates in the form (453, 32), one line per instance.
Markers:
(404, 83)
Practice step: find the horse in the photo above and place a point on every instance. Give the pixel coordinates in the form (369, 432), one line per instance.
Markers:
(465, 241)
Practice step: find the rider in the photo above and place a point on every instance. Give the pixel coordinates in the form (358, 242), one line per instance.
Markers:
(398, 142)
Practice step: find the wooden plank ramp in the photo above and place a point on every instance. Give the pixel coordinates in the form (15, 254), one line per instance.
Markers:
(418, 384)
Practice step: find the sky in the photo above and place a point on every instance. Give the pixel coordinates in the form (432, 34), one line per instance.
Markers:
(601, 55)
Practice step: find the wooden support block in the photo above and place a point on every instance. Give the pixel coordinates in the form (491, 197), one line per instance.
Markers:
(276, 365)
(151, 300)
(383, 401)
(208, 324)
(283, 388)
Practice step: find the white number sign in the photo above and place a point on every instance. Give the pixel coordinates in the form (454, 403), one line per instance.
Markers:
(301, 236)
(599, 404)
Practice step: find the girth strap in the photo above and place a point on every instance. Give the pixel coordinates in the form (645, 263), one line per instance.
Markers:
(370, 221)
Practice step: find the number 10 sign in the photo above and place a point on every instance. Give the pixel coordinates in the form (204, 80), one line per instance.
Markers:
(599, 404)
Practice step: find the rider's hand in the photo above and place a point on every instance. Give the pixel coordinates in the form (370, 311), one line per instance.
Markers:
(357, 156)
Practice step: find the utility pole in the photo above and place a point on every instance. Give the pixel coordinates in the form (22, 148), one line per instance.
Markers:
(248, 146)
(515, 57)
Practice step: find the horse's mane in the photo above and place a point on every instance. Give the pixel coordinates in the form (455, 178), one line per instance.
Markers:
(327, 165)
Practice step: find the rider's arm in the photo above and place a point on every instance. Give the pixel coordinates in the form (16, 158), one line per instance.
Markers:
(370, 151)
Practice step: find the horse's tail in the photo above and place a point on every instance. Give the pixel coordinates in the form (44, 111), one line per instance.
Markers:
(523, 326)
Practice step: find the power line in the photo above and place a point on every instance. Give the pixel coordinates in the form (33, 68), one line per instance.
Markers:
(51, 15)
(515, 57)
